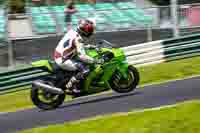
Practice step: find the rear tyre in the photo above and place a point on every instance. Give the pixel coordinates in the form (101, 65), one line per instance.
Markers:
(121, 85)
(46, 100)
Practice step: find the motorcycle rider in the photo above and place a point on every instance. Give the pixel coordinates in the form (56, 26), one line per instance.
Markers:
(73, 45)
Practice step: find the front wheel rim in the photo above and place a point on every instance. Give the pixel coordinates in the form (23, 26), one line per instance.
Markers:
(124, 83)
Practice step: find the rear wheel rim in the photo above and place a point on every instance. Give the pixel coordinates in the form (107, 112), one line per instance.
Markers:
(46, 97)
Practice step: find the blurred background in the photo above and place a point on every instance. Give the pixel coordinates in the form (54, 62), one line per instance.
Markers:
(30, 29)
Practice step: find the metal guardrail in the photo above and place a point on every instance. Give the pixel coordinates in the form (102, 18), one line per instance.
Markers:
(138, 55)
(163, 50)
(20, 78)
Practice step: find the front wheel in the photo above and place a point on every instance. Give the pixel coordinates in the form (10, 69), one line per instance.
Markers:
(45, 100)
(121, 85)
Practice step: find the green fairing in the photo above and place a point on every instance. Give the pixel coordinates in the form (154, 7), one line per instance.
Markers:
(43, 63)
(109, 68)
(118, 63)
(123, 68)
(118, 53)
(91, 53)
(112, 67)
(93, 74)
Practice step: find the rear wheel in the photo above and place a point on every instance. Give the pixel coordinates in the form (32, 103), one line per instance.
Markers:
(44, 99)
(121, 85)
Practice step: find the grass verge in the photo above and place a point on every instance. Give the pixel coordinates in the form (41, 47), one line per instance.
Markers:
(182, 118)
(149, 74)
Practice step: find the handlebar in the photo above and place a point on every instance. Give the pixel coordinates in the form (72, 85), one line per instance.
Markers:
(105, 44)
(102, 44)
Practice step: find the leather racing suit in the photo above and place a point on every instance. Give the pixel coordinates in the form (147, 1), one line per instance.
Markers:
(72, 45)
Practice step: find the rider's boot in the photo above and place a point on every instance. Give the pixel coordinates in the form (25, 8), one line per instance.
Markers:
(71, 82)
(76, 79)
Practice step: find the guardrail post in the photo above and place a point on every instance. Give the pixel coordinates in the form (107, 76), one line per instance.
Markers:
(8, 41)
(10, 54)
(149, 34)
(58, 26)
(174, 16)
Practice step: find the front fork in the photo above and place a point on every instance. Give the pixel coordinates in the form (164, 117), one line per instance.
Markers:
(122, 68)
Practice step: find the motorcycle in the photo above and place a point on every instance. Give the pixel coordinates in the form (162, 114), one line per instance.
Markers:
(115, 74)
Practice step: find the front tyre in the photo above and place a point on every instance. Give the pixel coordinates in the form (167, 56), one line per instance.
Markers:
(121, 85)
(45, 100)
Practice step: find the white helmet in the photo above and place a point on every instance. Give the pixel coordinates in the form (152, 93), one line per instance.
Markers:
(86, 27)
(93, 20)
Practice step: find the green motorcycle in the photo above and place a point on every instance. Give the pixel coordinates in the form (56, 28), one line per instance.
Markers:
(115, 73)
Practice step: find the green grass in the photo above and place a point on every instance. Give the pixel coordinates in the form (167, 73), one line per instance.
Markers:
(149, 74)
(170, 70)
(183, 118)
(15, 101)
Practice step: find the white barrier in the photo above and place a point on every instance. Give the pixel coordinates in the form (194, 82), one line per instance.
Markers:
(145, 54)
(143, 45)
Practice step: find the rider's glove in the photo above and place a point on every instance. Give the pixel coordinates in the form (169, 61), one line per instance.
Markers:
(99, 61)
(90, 46)
(64, 58)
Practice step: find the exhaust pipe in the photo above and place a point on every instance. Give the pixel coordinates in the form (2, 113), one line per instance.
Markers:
(49, 88)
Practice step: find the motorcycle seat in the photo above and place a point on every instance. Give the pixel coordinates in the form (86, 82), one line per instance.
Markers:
(57, 69)
(54, 66)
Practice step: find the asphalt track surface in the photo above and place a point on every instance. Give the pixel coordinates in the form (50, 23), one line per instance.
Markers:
(147, 97)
